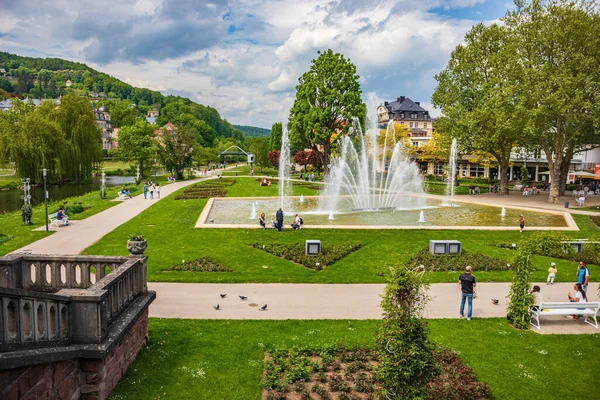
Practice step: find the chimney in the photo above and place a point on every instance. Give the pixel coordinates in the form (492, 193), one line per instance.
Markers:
(385, 103)
(401, 99)
(418, 103)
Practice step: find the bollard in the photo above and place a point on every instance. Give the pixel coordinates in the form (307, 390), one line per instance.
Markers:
(566, 204)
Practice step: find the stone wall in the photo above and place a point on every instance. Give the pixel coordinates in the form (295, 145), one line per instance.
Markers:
(85, 378)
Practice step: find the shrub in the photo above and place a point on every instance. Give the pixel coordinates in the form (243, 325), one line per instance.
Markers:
(571, 187)
(447, 262)
(520, 300)
(205, 264)
(330, 253)
(596, 220)
(4, 238)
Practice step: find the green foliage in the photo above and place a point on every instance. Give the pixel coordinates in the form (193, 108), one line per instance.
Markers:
(571, 187)
(4, 238)
(330, 253)
(275, 138)
(121, 113)
(204, 264)
(448, 262)
(524, 175)
(176, 150)
(403, 347)
(549, 244)
(138, 145)
(137, 238)
(253, 131)
(520, 300)
(260, 148)
(328, 97)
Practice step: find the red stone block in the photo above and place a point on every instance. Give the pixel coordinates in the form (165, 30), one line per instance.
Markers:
(94, 378)
(35, 373)
(10, 393)
(91, 365)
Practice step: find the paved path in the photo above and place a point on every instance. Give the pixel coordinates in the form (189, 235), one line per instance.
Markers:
(351, 301)
(81, 234)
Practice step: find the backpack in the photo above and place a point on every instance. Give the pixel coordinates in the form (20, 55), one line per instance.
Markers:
(301, 221)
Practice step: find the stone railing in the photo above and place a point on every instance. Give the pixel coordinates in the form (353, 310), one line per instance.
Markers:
(47, 300)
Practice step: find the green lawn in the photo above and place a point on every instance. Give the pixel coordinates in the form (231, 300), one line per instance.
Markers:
(11, 223)
(169, 228)
(217, 359)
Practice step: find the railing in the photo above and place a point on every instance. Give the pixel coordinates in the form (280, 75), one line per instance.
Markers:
(47, 299)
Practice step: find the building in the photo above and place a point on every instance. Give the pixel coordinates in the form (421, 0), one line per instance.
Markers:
(410, 114)
(168, 128)
(68, 83)
(153, 113)
(103, 121)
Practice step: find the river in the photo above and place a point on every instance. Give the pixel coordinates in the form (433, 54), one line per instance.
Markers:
(10, 200)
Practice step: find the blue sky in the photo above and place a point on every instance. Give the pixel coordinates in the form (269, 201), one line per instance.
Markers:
(244, 57)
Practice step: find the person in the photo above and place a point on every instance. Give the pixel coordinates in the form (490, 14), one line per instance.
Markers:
(273, 223)
(583, 275)
(61, 216)
(297, 222)
(467, 284)
(279, 217)
(581, 201)
(306, 177)
(551, 274)
(262, 221)
(537, 297)
(157, 190)
(151, 188)
(145, 189)
(521, 222)
(125, 192)
(579, 297)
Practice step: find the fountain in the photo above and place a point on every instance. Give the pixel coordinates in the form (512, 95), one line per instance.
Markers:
(253, 214)
(284, 171)
(369, 179)
(451, 175)
(503, 212)
(422, 217)
(301, 198)
(331, 217)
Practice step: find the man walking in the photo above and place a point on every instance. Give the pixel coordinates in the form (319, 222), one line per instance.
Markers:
(467, 286)
(279, 218)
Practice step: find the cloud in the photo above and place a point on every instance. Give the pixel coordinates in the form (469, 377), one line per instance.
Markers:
(244, 57)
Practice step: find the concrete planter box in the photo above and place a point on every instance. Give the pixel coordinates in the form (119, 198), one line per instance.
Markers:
(137, 248)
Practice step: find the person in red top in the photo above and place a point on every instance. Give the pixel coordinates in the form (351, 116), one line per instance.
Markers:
(467, 286)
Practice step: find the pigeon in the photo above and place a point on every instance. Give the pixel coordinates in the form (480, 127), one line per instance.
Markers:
(495, 301)
(223, 295)
(243, 297)
(217, 307)
(263, 308)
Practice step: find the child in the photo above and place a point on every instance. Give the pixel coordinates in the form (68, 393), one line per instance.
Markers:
(273, 223)
(551, 274)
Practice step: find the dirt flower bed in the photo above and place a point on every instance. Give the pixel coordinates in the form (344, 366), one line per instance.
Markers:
(337, 373)
(446, 262)
(213, 188)
(295, 252)
(205, 264)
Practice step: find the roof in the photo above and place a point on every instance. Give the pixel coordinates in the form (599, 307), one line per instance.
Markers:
(151, 120)
(404, 104)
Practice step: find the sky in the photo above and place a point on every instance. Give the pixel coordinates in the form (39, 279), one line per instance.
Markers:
(244, 57)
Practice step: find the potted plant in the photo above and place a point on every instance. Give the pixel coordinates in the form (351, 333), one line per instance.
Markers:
(137, 245)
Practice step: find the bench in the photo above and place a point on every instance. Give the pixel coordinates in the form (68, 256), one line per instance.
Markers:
(124, 196)
(589, 310)
(52, 218)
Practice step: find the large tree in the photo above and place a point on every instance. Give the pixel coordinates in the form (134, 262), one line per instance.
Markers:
(138, 145)
(477, 95)
(559, 49)
(275, 138)
(328, 97)
(260, 148)
(177, 149)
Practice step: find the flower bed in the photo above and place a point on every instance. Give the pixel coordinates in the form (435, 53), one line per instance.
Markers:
(205, 264)
(330, 253)
(334, 372)
(213, 188)
(446, 262)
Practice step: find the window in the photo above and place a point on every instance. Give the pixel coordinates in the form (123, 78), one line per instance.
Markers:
(415, 144)
(410, 125)
(476, 170)
(438, 169)
(425, 125)
(401, 122)
(416, 124)
(413, 115)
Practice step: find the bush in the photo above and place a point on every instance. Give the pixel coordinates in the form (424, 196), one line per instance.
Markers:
(4, 238)
(571, 187)
(596, 220)
(205, 264)
(447, 262)
(431, 177)
(330, 253)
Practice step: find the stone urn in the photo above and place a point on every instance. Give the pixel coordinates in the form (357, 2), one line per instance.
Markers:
(136, 247)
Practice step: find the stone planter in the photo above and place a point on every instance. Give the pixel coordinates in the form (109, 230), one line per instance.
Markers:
(137, 247)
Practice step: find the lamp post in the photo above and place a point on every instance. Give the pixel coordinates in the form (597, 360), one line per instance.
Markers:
(155, 169)
(103, 184)
(45, 197)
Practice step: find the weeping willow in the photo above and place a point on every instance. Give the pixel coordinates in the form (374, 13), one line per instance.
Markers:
(63, 139)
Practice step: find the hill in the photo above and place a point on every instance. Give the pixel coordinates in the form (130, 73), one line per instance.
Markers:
(53, 77)
(253, 131)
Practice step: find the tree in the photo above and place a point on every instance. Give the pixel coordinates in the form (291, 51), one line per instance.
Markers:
(137, 144)
(273, 157)
(176, 149)
(477, 93)
(121, 114)
(275, 138)
(328, 98)
(301, 158)
(260, 148)
(559, 49)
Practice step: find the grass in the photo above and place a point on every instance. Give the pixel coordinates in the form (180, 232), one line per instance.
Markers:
(228, 362)
(11, 223)
(169, 228)
(590, 208)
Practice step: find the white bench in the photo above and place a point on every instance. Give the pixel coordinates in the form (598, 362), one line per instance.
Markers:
(52, 218)
(589, 310)
(124, 196)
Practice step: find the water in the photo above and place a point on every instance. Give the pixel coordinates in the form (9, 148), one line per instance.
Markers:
(503, 212)
(368, 179)
(10, 200)
(301, 198)
(253, 214)
(422, 217)
(285, 165)
(451, 174)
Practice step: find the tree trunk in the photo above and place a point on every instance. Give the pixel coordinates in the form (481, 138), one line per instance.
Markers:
(503, 172)
(326, 155)
(556, 176)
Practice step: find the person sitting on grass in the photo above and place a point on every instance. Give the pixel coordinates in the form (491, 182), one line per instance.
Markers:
(61, 216)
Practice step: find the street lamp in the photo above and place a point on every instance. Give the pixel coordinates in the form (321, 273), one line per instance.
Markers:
(45, 197)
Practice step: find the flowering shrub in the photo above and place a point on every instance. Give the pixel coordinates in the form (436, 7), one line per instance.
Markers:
(295, 252)
(205, 264)
(137, 238)
(214, 188)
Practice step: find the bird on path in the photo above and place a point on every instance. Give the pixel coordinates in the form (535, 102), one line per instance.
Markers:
(495, 301)
(223, 295)
(217, 307)
(263, 308)
(243, 297)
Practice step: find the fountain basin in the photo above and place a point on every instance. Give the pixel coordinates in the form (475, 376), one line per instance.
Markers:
(233, 213)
